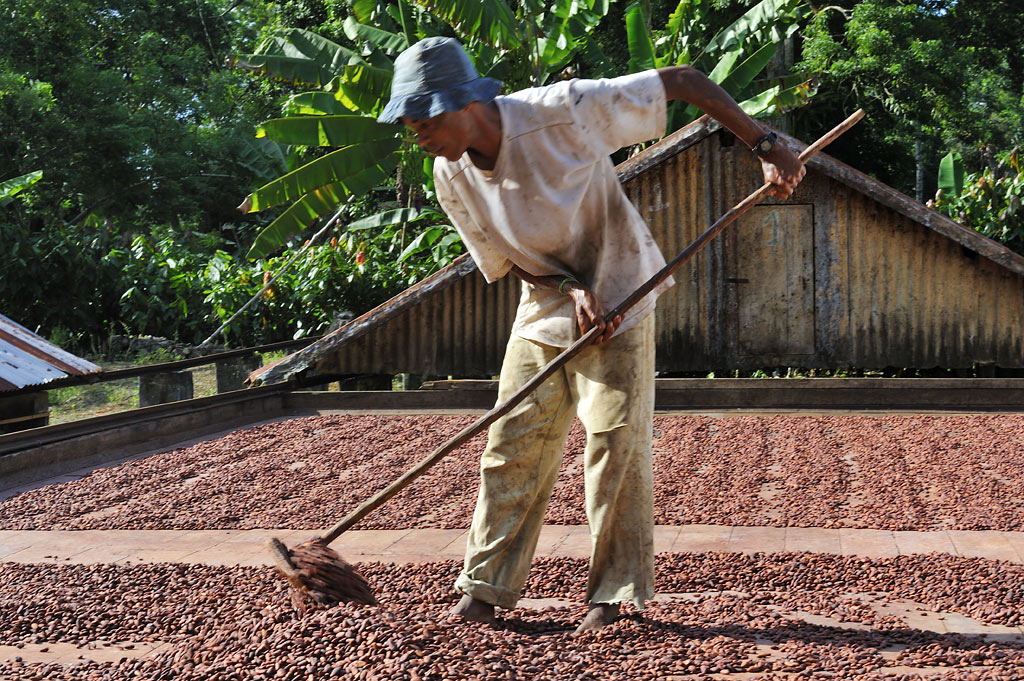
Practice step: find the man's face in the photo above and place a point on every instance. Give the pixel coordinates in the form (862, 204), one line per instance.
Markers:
(444, 135)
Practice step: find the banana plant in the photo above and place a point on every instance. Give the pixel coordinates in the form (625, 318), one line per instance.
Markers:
(951, 174)
(529, 44)
(339, 116)
(733, 57)
(522, 47)
(11, 187)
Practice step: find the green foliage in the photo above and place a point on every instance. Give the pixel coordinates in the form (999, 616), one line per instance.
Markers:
(58, 277)
(946, 74)
(354, 79)
(11, 187)
(951, 174)
(990, 202)
(734, 56)
(126, 106)
(360, 152)
(346, 166)
(525, 43)
(182, 287)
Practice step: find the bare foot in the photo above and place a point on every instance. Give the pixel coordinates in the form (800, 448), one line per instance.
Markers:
(473, 610)
(600, 615)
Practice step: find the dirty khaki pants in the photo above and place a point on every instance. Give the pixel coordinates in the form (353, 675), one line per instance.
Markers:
(611, 388)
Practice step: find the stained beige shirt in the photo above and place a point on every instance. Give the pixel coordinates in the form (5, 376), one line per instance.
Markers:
(553, 205)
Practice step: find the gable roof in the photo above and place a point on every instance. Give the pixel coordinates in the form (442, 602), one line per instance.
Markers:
(965, 236)
(27, 359)
(640, 163)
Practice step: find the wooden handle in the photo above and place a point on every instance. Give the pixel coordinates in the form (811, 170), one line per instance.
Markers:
(555, 364)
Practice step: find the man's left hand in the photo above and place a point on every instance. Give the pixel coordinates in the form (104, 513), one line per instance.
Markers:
(783, 170)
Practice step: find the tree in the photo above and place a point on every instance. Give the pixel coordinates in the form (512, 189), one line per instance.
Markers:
(733, 56)
(930, 77)
(127, 107)
(11, 187)
(139, 128)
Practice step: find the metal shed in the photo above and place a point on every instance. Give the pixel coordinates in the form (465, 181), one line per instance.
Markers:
(846, 273)
(26, 360)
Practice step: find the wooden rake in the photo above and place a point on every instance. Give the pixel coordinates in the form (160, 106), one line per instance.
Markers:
(319, 574)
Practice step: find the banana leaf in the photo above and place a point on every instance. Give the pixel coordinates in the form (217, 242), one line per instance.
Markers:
(403, 14)
(296, 218)
(8, 188)
(366, 87)
(763, 14)
(299, 43)
(392, 217)
(555, 45)
(490, 21)
(294, 70)
(337, 166)
(326, 131)
(777, 99)
(317, 203)
(641, 48)
(386, 40)
(681, 30)
(263, 158)
(299, 57)
(951, 175)
(364, 10)
(732, 77)
(317, 103)
(742, 75)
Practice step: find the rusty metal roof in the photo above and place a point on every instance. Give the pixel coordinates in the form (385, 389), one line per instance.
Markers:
(27, 359)
(459, 323)
(703, 127)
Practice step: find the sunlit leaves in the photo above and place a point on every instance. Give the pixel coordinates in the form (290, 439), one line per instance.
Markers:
(11, 187)
(326, 131)
(337, 166)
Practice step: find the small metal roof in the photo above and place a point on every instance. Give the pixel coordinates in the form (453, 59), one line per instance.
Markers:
(27, 359)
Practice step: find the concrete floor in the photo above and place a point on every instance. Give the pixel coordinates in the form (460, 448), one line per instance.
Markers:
(246, 548)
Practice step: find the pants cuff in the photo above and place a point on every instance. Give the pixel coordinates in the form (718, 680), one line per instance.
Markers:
(488, 593)
(624, 595)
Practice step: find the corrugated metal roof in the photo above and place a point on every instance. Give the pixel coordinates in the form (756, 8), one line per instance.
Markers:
(27, 359)
(861, 276)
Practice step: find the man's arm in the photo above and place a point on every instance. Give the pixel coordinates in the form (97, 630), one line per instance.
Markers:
(589, 311)
(781, 167)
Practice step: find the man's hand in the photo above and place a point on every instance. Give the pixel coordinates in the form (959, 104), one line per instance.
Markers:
(783, 170)
(781, 167)
(590, 312)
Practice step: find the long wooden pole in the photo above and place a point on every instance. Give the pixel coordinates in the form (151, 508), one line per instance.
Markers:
(554, 365)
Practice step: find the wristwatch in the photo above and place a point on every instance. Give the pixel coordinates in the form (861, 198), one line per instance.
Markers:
(764, 146)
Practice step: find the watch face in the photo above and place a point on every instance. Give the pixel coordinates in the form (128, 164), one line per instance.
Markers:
(766, 144)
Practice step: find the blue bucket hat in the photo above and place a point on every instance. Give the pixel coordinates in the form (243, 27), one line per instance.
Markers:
(434, 76)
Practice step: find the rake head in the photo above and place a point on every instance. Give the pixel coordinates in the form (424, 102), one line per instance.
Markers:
(317, 573)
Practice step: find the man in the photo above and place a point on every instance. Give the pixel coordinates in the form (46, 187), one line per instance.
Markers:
(527, 181)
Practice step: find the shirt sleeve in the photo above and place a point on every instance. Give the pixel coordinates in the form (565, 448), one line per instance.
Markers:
(491, 262)
(618, 112)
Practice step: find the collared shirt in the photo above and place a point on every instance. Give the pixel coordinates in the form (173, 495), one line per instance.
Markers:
(553, 204)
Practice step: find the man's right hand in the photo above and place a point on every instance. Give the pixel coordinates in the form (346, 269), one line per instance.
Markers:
(590, 312)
